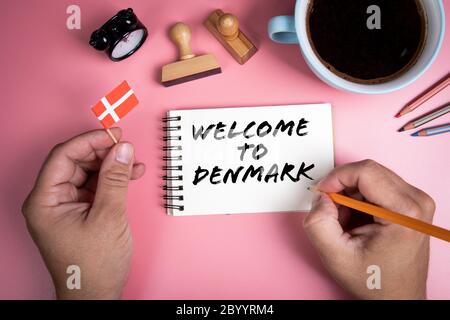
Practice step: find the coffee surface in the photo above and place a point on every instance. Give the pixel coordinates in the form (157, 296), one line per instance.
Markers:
(341, 38)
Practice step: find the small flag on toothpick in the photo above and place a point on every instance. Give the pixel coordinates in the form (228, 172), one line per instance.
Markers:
(114, 106)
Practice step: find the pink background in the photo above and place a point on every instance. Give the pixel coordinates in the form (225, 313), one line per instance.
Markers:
(51, 77)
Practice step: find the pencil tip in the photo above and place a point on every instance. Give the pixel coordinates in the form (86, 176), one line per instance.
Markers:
(415, 134)
(398, 115)
(401, 130)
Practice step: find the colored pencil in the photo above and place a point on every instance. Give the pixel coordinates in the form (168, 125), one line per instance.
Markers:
(388, 215)
(428, 94)
(432, 131)
(426, 118)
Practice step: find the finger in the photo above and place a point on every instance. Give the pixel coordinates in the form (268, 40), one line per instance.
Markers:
(353, 193)
(61, 163)
(138, 171)
(85, 169)
(91, 182)
(344, 216)
(112, 185)
(66, 193)
(96, 155)
(323, 228)
(79, 176)
(365, 231)
(377, 185)
(85, 195)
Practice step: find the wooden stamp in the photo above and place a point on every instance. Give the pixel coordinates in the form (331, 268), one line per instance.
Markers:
(225, 28)
(189, 67)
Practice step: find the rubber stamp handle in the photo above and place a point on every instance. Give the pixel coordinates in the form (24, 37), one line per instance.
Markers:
(181, 35)
(228, 26)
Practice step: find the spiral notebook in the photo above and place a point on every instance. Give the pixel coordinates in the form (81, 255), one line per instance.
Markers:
(246, 160)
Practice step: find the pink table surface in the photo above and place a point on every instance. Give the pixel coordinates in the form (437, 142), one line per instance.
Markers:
(51, 77)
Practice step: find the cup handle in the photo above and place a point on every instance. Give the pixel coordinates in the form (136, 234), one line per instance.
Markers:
(281, 29)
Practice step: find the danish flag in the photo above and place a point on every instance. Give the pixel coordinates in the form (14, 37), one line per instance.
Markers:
(115, 105)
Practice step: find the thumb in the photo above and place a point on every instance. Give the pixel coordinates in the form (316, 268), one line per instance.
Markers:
(113, 178)
(323, 228)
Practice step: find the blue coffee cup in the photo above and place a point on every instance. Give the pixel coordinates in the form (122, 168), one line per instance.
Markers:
(293, 30)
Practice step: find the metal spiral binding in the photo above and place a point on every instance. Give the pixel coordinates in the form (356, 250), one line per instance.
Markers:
(173, 188)
(174, 158)
(170, 138)
(173, 178)
(170, 197)
(172, 168)
(171, 148)
(167, 197)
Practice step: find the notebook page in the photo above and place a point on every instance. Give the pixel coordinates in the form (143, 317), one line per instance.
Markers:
(252, 159)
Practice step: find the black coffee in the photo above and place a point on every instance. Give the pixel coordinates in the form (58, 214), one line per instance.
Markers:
(374, 53)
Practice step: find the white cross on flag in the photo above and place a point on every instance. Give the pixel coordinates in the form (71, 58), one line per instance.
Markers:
(115, 105)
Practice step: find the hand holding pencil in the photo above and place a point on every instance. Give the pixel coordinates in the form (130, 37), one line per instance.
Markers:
(348, 243)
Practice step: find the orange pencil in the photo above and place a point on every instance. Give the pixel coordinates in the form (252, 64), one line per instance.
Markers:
(392, 216)
(428, 94)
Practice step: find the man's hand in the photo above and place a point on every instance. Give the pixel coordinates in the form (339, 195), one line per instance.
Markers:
(76, 213)
(348, 247)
